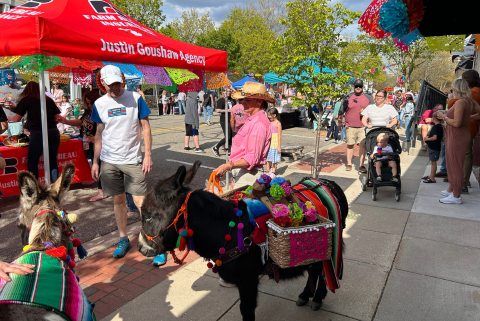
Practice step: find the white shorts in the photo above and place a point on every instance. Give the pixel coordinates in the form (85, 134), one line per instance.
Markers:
(243, 177)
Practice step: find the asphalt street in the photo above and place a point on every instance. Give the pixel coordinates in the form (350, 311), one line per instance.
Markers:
(97, 218)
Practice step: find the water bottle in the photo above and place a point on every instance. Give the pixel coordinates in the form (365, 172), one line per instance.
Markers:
(86, 145)
(379, 150)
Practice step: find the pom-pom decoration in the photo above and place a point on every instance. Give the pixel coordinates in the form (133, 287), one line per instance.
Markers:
(280, 210)
(46, 244)
(240, 226)
(26, 247)
(218, 262)
(278, 181)
(277, 192)
(394, 18)
(221, 251)
(265, 180)
(412, 37)
(239, 213)
(76, 242)
(231, 224)
(183, 233)
(228, 237)
(296, 211)
(309, 205)
(248, 191)
(415, 11)
(189, 233)
(60, 252)
(369, 20)
(209, 265)
(303, 207)
(283, 221)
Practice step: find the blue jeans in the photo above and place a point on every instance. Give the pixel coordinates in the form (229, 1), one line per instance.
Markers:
(443, 167)
(400, 117)
(181, 107)
(333, 130)
(130, 203)
(342, 133)
(408, 127)
(207, 110)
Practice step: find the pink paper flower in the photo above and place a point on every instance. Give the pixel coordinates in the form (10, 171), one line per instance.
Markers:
(280, 210)
(311, 215)
(286, 187)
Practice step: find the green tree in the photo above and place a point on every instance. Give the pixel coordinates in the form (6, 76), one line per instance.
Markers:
(222, 39)
(311, 49)
(169, 31)
(255, 39)
(271, 11)
(146, 12)
(191, 25)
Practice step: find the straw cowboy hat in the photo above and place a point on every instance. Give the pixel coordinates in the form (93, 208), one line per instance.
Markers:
(253, 90)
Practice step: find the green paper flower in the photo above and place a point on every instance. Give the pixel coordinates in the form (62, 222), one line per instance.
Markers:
(277, 192)
(248, 191)
(297, 212)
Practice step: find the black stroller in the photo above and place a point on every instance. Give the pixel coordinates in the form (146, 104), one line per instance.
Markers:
(394, 142)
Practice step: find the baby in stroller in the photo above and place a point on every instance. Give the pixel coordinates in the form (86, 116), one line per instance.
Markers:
(379, 161)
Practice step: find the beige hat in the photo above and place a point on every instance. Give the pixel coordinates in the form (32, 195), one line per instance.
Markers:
(253, 90)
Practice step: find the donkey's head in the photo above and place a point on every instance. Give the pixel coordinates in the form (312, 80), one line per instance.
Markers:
(35, 199)
(160, 207)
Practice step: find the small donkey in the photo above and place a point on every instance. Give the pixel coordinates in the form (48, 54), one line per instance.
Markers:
(44, 230)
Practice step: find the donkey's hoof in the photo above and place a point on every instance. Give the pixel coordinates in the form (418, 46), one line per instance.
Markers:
(316, 306)
(301, 302)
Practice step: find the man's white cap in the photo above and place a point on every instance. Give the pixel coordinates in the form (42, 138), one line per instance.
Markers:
(111, 74)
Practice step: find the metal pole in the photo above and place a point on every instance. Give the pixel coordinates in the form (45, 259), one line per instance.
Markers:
(156, 99)
(317, 147)
(227, 177)
(43, 108)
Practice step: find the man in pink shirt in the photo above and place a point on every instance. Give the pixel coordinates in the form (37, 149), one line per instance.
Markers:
(251, 143)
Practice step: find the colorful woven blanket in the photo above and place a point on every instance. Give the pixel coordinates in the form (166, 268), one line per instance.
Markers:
(322, 196)
(52, 286)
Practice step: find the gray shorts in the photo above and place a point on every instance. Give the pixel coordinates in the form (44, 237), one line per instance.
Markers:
(118, 179)
(433, 155)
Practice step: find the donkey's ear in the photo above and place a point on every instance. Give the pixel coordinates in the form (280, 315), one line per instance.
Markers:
(168, 188)
(29, 189)
(191, 172)
(61, 186)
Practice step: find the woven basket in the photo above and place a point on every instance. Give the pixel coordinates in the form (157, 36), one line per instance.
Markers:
(280, 243)
(228, 195)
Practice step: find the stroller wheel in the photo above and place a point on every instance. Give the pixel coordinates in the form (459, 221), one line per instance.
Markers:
(374, 197)
(397, 196)
(364, 187)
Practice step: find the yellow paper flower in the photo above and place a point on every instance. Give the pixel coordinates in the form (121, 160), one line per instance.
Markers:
(309, 205)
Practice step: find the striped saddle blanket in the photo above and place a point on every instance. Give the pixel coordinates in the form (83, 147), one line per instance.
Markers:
(53, 286)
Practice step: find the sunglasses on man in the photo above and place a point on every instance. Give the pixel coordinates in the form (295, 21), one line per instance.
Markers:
(358, 86)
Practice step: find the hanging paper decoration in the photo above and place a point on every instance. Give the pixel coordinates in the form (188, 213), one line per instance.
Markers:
(132, 84)
(127, 69)
(394, 18)
(400, 45)
(99, 83)
(258, 75)
(361, 72)
(7, 61)
(229, 73)
(36, 62)
(59, 74)
(446, 43)
(373, 71)
(179, 76)
(215, 80)
(81, 63)
(412, 37)
(81, 76)
(7, 76)
(415, 11)
(154, 75)
(193, 85)
(236, 73)
(369, 20)
(28, 75)
(401, 81)
(251, 74)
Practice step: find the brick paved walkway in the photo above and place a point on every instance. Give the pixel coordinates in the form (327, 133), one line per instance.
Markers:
(329, 160)
(110, 283)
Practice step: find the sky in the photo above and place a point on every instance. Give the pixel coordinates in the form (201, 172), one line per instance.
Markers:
(219, 9)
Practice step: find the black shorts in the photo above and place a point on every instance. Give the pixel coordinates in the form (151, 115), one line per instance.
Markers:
(190, 131)
(433, 155)
(384, 162)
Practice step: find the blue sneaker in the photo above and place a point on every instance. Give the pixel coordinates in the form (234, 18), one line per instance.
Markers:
(160, 260)
(122, 248)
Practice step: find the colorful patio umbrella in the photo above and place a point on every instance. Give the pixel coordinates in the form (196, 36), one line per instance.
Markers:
(93, 30)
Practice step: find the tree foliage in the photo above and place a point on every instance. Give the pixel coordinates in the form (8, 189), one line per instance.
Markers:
(169, 31)
(438, 71)
(311, 48)
(272, 11)
(146, 12)
(255, 39)
(222, 39)
(191, 25)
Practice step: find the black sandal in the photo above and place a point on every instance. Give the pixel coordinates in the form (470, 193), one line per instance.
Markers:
(429, 181)
(424, 178)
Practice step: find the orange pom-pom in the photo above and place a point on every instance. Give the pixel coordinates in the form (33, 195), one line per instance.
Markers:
(219, 262)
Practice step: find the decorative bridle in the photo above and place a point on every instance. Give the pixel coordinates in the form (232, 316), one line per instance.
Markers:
(181, 212)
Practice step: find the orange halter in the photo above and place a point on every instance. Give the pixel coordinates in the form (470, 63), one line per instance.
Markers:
(181, 211)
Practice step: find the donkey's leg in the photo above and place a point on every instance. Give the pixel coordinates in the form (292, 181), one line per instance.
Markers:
(321, 291)
(307, 293)
(248, 290)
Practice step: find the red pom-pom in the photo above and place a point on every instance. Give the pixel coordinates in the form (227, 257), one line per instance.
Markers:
(71, 264)
(61, 252)
(209, 265)
(228, 238)
(190, 232)
(221, 250)
(76, 242)
(71, 252)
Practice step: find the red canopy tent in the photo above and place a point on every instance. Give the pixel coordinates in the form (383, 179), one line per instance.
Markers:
(94, 30)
